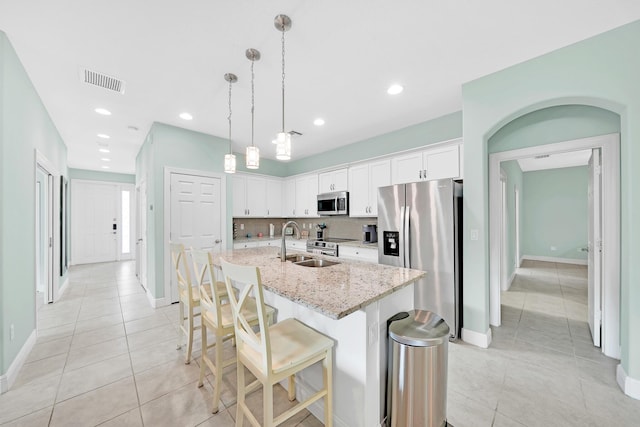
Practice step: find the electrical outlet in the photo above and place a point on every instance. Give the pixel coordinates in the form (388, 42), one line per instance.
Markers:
(12, 332)
(304, 226)
(553, 248)
(474, 234)
(241, 226)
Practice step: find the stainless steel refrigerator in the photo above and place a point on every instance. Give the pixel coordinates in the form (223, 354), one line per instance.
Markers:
(419, 226)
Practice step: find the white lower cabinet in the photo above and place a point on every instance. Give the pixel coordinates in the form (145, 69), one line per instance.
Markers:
(300, 245)
(358, 253)
(244, 245)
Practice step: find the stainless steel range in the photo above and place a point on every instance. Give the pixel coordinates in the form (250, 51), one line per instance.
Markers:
(328, 246)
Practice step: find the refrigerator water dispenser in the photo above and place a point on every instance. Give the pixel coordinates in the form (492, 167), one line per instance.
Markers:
(391, 243)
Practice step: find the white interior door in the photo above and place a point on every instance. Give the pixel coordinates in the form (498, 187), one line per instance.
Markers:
(504, 252)
(196, 214)
(96, 209)
(594, 305)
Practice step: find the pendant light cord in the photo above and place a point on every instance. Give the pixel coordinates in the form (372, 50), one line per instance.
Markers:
(283, 31)
(229, 119)
(252, 100)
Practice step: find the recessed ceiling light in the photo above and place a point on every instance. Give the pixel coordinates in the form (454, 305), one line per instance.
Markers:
(318, 122)
(103, 111)
(186, 116)
(103, 136)
(105, 167)
(104, 150)
(105, 159)
(394, 89)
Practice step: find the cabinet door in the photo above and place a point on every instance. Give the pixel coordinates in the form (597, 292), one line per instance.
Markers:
(274, 198)
(340, 180)
(325, 182)
(406, 168)
(289, 204)
(239, 189)
(306, 196)
(256, 196)
(336, 180)
(441, 163)
(379, 176)
(359, 190)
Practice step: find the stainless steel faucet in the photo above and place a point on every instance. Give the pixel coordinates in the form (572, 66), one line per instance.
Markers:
(283, 246)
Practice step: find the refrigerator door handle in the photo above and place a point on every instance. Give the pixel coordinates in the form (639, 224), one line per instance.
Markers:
(407, 243)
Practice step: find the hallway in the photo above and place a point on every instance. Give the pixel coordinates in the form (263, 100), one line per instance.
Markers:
(542, 368)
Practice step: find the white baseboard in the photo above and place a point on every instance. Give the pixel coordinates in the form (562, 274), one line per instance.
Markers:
(477, 338)
(554, 259)
(63, 288)
(630, 386)
(510, 281)
(156, 302)
(7, 380)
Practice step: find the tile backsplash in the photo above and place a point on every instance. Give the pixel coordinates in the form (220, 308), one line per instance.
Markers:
(340, 226)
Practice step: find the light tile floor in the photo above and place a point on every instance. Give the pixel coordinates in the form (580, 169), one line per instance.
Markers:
(542, 368)
(104, 357)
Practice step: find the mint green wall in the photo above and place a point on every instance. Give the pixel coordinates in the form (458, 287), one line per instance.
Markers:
(122, 178)
(25, 127)
(437, 130)
(554, 124)
(514, 181)
(601, 71)
(554, 213)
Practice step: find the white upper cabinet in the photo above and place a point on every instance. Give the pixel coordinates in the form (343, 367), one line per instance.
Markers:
(256, 196)
(306, 196)
(289, 205)
(426, 165)
(364, 180)
(333, 181)
(274, 198)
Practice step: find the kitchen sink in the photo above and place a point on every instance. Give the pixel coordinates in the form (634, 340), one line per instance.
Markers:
(298, 258)
(315, 262)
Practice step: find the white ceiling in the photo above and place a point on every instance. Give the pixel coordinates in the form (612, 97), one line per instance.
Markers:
(341, 57)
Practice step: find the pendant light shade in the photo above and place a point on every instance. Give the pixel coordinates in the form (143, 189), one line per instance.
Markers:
(253, 153)
(283, 146)
(230, 159)
(253, 157)
(230, 163)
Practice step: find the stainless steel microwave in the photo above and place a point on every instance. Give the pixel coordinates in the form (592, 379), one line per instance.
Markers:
(336, 203)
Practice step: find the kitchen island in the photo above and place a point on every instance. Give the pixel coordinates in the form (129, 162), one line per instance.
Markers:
(349, 302)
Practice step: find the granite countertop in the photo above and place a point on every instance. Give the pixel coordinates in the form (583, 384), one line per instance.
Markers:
(334, 291)
(360, 244)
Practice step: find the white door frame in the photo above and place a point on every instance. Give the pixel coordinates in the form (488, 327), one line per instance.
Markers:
(141, 233)
(504, 252)
(53, 223)
(166, 299)
(610, 150)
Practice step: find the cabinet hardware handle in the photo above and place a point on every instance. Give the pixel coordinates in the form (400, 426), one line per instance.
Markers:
(420, 174)
(218, 241)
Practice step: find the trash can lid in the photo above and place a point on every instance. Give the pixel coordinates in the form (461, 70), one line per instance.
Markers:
(420, 329)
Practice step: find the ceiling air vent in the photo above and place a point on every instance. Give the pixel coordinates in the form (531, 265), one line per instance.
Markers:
(102, 80)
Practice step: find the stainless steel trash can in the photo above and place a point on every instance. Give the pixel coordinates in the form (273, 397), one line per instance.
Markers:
(417, 383)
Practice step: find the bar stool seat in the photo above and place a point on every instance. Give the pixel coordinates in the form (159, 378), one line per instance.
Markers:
(275, 352)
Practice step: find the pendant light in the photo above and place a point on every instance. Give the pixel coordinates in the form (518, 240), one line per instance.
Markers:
(283, 139)
(253, 152)
(230, 159)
